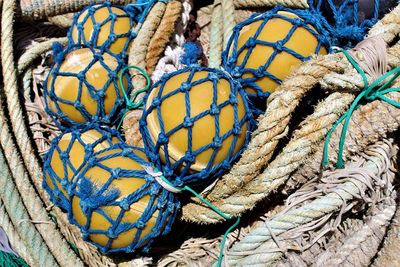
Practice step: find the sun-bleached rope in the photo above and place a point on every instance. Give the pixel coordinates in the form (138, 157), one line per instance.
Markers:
(359, 248)
(39, 9)
(33, 203)
(343, 189)
(273, 126)
(389, 254)
(228, 15)
(15, 240)
(138, 47)
(216, 35)
(270, 3)
(171, 61)
(34, 52)
(162, 35)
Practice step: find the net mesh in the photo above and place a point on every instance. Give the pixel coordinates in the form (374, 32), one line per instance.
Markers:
(179, 170)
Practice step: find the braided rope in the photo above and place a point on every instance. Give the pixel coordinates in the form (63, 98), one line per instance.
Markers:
(228, 15)
(256, 248)
(171, 61)
(15, 240)
(270, 3)
(62, 21)
(39, 9)
(162, 35)
(389, 254)
(360, 247)
(17, 211)
(216, 35)
(34, 52)
(138, 48)
(33, 203)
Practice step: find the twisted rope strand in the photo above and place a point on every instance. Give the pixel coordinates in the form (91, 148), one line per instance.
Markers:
(216, 35)
(162, 35)
(33, 203)
(270, 3)
(271, 128)
(359, 248)
(256, 248)
(138, 48)
(15, 240)
(228, 15)
(33, 53)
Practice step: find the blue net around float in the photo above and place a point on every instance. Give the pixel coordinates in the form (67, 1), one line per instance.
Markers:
(178, 169)
(109, 28)
(249, 77)
(67, 155)
(64, 104)
(350, 20)
(117, 208)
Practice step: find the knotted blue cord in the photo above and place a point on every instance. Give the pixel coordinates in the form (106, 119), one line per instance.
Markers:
(179, 172)
(375, 91)
(307, 19)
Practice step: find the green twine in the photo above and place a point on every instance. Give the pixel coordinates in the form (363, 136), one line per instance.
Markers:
(377, 90)
(211, 206)
(11, 260)
(131, 103)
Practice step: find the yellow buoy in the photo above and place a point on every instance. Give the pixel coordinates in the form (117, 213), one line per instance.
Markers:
(84, 86)
(68, 154)
(203, 117)
(103, 25)
(262, 55)
(120, 223)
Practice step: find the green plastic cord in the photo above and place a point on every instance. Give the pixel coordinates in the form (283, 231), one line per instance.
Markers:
(211, 206)
(10, 260)
(131, 103)
(377, 90)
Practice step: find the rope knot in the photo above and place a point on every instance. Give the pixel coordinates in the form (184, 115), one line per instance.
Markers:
(159, 177)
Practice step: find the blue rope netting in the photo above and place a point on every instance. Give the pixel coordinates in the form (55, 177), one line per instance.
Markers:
(136, 13)
(350, 20)
(161, 206)
(97, 95)
(61, 182)
(179, 172)
(231, 53)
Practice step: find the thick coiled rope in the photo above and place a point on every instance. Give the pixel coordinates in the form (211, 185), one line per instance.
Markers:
(216, 35)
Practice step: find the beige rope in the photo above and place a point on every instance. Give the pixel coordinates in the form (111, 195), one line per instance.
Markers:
(162, 35)
(389, 255)
(342, 189)
(359, 248)
(272, 127)
(15, 240)
(138, 48)
(270, 3)
(228, 15)
(33, 53)
(216, 35)
(62, 21)
(40, 9)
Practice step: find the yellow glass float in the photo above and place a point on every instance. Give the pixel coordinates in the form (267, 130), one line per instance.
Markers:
(84, 87)
(195, 124)
(67, 155)
(106, 27)
(265, 48)
(117, 205)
